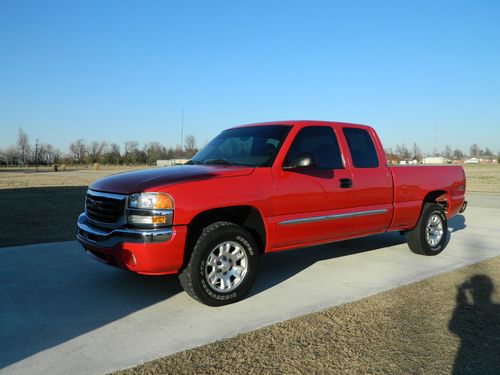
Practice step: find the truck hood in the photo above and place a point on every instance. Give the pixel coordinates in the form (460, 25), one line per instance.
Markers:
(148, 179)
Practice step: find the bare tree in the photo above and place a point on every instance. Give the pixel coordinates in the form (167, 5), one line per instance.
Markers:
(133, 155)
(417, 153)
(23, 146)
(448, 153)
(475, 151)
(458, 154)
(12, 155)
(78, 150)
(112, 154)
(96, 150)
(488, 153)
(48, 154)
(190, 145)
(154, 151)
(402, 152)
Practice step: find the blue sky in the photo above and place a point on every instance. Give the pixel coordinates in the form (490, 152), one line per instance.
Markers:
(123, 70)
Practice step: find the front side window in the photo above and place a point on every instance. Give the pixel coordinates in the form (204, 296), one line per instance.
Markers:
(255, 146)
(361, 147)
(321, 142)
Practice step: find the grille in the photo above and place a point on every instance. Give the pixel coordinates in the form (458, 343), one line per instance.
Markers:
(105, 209)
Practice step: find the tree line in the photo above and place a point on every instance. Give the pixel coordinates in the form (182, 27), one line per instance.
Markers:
(82, 152)
(402, 152)
(24, 153)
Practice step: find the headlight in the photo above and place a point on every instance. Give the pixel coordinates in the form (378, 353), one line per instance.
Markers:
(150, 209)
(149, 201)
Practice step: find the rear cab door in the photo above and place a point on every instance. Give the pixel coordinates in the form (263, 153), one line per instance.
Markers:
(371, 179)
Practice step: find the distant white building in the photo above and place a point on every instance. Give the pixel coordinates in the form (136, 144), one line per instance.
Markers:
(409, 162)
(170, 162)
(472, 161)
(435, 160)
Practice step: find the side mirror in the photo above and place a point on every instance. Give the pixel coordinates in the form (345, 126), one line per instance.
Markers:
(301, 160)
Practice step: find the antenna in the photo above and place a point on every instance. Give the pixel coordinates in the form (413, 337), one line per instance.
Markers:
(182, 128)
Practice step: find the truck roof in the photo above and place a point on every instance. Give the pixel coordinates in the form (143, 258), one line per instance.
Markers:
(301, 123)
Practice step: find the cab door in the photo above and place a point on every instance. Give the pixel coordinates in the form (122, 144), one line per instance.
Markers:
(372, 181)
(313, 203)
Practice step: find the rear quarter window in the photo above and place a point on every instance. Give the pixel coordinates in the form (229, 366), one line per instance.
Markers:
(361, 147)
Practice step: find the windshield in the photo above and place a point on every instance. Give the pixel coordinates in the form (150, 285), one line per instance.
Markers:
(254, 146)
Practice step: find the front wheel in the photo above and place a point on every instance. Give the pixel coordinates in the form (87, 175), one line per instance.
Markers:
(223, 265)
(429, 237)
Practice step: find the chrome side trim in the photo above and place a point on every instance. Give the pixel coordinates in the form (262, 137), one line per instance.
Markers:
(94, 236)
(332, 217)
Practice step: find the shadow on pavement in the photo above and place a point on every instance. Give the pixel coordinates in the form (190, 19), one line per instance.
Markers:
(476, 321)
(49, 213)
(46, 301)
(457, 222)
(52, 293)
(275, 268)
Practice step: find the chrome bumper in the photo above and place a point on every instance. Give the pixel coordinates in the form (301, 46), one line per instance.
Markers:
(87, 233)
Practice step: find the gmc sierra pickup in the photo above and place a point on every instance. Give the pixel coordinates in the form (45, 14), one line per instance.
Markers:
(261, 188)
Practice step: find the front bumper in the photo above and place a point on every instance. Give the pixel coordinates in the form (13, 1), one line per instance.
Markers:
(146, 251)
(111, 238)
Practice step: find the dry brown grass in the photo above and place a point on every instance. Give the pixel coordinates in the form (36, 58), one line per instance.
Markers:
(401, 331)
(480, 178)
(483, 178)
(13, 178)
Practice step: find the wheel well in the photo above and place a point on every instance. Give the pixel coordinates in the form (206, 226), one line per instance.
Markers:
(439, 197)
(246, 216)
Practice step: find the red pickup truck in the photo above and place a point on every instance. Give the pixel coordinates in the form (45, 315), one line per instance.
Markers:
(258, 189)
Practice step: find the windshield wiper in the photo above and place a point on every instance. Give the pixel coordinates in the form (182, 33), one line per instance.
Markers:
(218, 161)
(192, 162)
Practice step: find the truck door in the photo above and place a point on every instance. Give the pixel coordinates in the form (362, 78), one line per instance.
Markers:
(371, 179)
(312, 203)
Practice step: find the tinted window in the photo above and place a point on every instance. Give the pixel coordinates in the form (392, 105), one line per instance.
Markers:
(253, 145)
(321, 142)
(361, 146)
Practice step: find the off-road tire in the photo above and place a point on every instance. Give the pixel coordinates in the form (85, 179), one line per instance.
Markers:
(417, 239)
(193, 278)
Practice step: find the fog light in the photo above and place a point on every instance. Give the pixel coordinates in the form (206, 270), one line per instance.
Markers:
(128, 258)
(144, 220)
(158, 219)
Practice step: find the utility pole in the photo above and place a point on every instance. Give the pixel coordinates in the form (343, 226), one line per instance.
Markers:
(182, 129)
(435, 140)
(36, 155)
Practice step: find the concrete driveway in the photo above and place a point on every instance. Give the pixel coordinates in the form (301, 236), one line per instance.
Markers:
(61, 312)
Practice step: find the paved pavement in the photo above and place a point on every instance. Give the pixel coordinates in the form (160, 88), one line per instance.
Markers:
(61, 312)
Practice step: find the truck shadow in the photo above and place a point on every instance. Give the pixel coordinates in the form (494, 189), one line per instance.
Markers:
(457, 223)
(275, 268)
(48, 300)
(476, 321)
(278, 267)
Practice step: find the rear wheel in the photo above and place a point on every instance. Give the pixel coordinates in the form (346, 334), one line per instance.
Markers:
(223, 265)
(429, 237)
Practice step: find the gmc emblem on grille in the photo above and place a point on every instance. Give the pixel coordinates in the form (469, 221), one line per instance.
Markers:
(94, 205)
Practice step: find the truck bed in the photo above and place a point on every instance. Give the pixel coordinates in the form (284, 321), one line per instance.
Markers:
(413, 183)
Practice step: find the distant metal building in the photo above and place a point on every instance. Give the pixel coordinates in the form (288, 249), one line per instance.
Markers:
(170, 162)
(435, 160)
